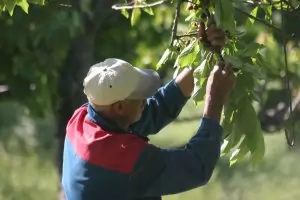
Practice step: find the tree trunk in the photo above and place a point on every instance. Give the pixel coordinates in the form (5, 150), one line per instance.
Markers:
(79, 59)
(78, 62)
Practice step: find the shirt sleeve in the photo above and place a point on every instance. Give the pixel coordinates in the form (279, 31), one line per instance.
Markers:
(169, 171)
(160, 110)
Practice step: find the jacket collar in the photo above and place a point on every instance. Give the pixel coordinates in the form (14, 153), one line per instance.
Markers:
(107, 124)
(104, 123)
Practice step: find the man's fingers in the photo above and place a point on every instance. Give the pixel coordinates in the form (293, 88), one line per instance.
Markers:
(228, 69)
(217, 68)
(211, 28)
(215, 34)
(218, 42)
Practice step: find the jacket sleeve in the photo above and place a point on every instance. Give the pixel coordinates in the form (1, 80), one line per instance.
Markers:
(163, 172)
(160, 110)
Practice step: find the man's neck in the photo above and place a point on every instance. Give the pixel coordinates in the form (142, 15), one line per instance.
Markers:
(114, 120)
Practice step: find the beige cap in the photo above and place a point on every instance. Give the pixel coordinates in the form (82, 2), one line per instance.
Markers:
(115, 80)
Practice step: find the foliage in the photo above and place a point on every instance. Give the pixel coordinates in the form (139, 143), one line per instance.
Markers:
(242, 131)
(32, 54)
(10, 5)
(34, 49)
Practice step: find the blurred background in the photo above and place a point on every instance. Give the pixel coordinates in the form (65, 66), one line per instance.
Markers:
(44, 56)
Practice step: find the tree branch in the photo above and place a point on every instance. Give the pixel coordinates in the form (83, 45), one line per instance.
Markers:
(261, 3)
(131, 5)
(175, 22)
(257, 19)
(191, 34)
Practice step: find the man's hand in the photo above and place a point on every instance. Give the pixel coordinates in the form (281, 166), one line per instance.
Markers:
(219, 84)
(185, 79)
(216, 36)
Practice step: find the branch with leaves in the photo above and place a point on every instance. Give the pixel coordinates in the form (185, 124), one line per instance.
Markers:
(242, 130)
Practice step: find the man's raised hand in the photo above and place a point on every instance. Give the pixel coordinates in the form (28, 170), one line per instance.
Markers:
(219, 84)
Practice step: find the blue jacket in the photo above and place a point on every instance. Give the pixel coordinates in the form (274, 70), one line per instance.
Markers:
(103, 162)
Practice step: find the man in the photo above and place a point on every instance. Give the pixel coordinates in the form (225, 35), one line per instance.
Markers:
(106, 153)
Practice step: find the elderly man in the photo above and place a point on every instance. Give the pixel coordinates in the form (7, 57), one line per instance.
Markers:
(106, 153)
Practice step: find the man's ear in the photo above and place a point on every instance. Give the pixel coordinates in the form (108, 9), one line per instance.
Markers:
(118, 108)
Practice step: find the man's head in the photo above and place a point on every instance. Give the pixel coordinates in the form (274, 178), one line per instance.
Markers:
(118, 90)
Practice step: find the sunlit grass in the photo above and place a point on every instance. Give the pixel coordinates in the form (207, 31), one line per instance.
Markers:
(27, 177)
(25, 174)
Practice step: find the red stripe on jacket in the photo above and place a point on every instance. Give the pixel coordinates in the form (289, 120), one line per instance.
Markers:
(113, 151)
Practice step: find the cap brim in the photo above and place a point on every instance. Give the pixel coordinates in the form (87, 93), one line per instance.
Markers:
(149, 83)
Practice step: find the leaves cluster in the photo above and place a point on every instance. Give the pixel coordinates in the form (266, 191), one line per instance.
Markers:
(242, 130)
(10, 5)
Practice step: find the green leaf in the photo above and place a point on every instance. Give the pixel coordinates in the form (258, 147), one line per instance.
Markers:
(125, 13)
(236, 135)
(200, 76)
(249, 124)
(190, 17)
(239, 91)
(194, 15)
(251, 50)
(230, 130)
(254, 70)
(235, 61)
(148, 10)
(86, 7)
(258, 155)
(227, 118)
(199, 90)
(239, 153)
(224, 15)
(225, 148)
(253, 13)
(24, 5)
(39, 2)
(135, 16)
(188, 55)
(164, 58)
(10, 6)
(268, 12)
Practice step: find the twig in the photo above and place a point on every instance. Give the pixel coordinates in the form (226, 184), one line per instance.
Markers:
(191, 34)
(261, 3)
(257, 19)
(265, 23)
(175, 22)
(130, 6)
(290, 141)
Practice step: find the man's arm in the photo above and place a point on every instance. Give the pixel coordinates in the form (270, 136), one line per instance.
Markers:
(165, 105)
(163, 172)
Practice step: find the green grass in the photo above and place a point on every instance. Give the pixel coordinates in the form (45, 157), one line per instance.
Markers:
(27, 172)
(27, 177)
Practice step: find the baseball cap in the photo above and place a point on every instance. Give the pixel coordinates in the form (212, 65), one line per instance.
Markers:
(115, 80)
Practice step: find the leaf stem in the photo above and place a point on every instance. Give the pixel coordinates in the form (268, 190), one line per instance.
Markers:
(257, 19)
(261, 3)
(131, 5)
